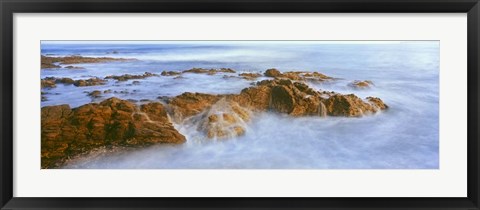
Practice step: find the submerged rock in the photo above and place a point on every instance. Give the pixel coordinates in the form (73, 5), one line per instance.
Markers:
(69, 132)
(224, 119)
(250, 76)
(361, 84)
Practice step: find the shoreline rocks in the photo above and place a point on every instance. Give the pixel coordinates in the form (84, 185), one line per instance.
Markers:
(52, 62)
(170, 73)
(281, 96)
(70, 132)
(297, 75)
(209, 71)
(51, 82)
(126, 77)
(250, 76)
(90, 82)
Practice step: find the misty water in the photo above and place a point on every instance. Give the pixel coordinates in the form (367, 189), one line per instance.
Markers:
(405, 77)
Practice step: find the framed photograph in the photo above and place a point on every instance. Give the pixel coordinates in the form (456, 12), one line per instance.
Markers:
(239, 104)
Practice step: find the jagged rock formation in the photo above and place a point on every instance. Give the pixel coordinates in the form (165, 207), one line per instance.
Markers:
(69, 132)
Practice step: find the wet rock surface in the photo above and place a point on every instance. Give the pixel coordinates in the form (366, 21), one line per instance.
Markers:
(297, 75)
(69, 132)
(74, 67)
(51, 82)
(282, 96)
(250, 76)
(170, 73)
(223, 120)
(209, 71)
(90, 82)
(361, 84)
(126, 77)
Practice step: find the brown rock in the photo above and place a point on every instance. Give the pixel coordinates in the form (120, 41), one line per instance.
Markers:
(189, 104)
(361, 84)
(90, 82)
(70, 132)
(209, 71)
(95, 94)
(47, 83)
(126, 77)
(250, 76)
(73, 67)
(377, 102)
(297, 75)
(272, 73)
(49, 61)
(64, 80)
(49, 66)
(350, 106)
(170, 73)
(223, 120)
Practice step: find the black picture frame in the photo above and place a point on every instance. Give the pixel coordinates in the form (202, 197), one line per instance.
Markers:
(9, 7)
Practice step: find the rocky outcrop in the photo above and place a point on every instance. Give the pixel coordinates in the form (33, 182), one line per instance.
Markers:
(350, 106)
(225, 116)
(90, 82)
(51, 62)
(95, 94)
(250, 76)
(189, 104)
(282, 96)
(223, 120)
(49, 66)
(64, 80)
(170, 73)
(50, 82)
(297, 75)
(209, 71)
(69, 132)
(126, 77)
(47, 83)
(272, 73)
(361, 84)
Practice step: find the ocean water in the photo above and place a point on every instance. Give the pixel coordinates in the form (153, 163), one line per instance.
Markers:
(405, 77)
